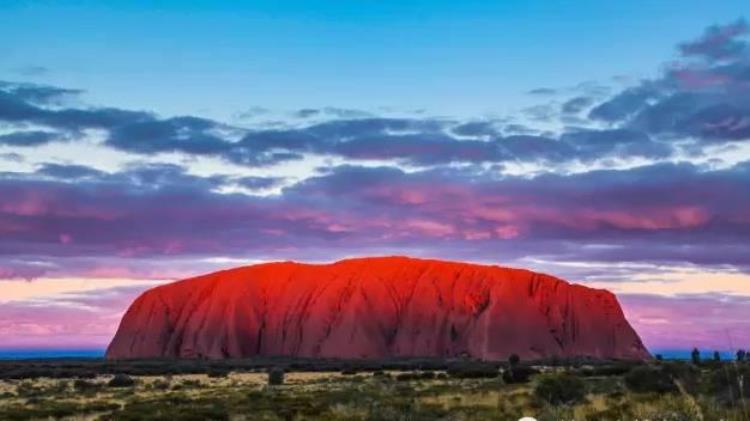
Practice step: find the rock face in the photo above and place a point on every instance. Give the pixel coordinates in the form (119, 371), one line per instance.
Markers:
(373, 308)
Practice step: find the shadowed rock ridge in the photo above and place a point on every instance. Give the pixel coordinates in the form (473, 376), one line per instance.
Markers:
(374, 308)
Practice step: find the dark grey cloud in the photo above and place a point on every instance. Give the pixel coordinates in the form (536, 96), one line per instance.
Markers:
(703, 98)
(476, 128)
(37, 94)
(542, 91)
(420, 141)
(191, 135)
(29, 138)
(666, 213)
(27, 104)
(719, 42)
(68, 171)
(592, 144)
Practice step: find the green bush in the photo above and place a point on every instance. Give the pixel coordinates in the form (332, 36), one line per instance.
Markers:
(276, 377)
(730, 384)
(647, 379)
(217, 372)
(606, 370)
(695, 356)
(518, 374)
(560, 389)
(82, 385)
(514, 360)
(473, 371)
(688, 375)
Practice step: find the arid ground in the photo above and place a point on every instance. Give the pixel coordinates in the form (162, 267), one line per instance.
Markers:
(458, 390)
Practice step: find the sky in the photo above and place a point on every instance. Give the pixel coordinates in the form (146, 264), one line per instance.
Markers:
(606, 143)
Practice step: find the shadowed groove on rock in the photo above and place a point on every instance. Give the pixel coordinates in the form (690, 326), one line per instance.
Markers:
(373, 308)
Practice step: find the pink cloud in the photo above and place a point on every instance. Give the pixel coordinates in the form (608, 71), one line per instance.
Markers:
(708, 322)
(91, 323)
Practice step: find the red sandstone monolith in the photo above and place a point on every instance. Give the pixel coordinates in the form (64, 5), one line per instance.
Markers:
(374, 308)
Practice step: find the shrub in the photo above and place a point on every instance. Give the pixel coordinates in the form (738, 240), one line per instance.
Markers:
(473, 371)
(518, 374)
(276, 377)
(121, 380)
(560, 389)
(514, 360)
(695, 356)
(649, 379)
(730, 384)
(82, 385)
(606, 370)
(217, 372)
(688, 375)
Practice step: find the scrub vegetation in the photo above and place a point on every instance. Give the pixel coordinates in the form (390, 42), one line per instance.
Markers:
(417, 389)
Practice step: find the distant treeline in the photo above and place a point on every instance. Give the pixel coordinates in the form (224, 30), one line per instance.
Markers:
(91, 367)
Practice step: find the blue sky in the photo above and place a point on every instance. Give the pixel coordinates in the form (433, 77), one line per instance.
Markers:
(218, 58)
(142, 142)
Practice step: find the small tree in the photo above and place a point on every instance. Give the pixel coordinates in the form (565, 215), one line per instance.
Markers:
(514, 360)
(659, 357)
(741, 355)
(276, 377)
(695, 356)
(717, 356)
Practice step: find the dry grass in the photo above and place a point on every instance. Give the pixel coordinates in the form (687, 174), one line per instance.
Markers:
(334, 396)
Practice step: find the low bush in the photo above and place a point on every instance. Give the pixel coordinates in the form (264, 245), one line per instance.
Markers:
(473, 371)
(647, 379)
(730, 385)
(560, 389)
(520, 374)
(275, 377)
(605, 370)
(82, 385)
(121, 380)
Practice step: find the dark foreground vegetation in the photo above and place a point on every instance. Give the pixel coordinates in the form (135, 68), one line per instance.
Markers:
(414, 389)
